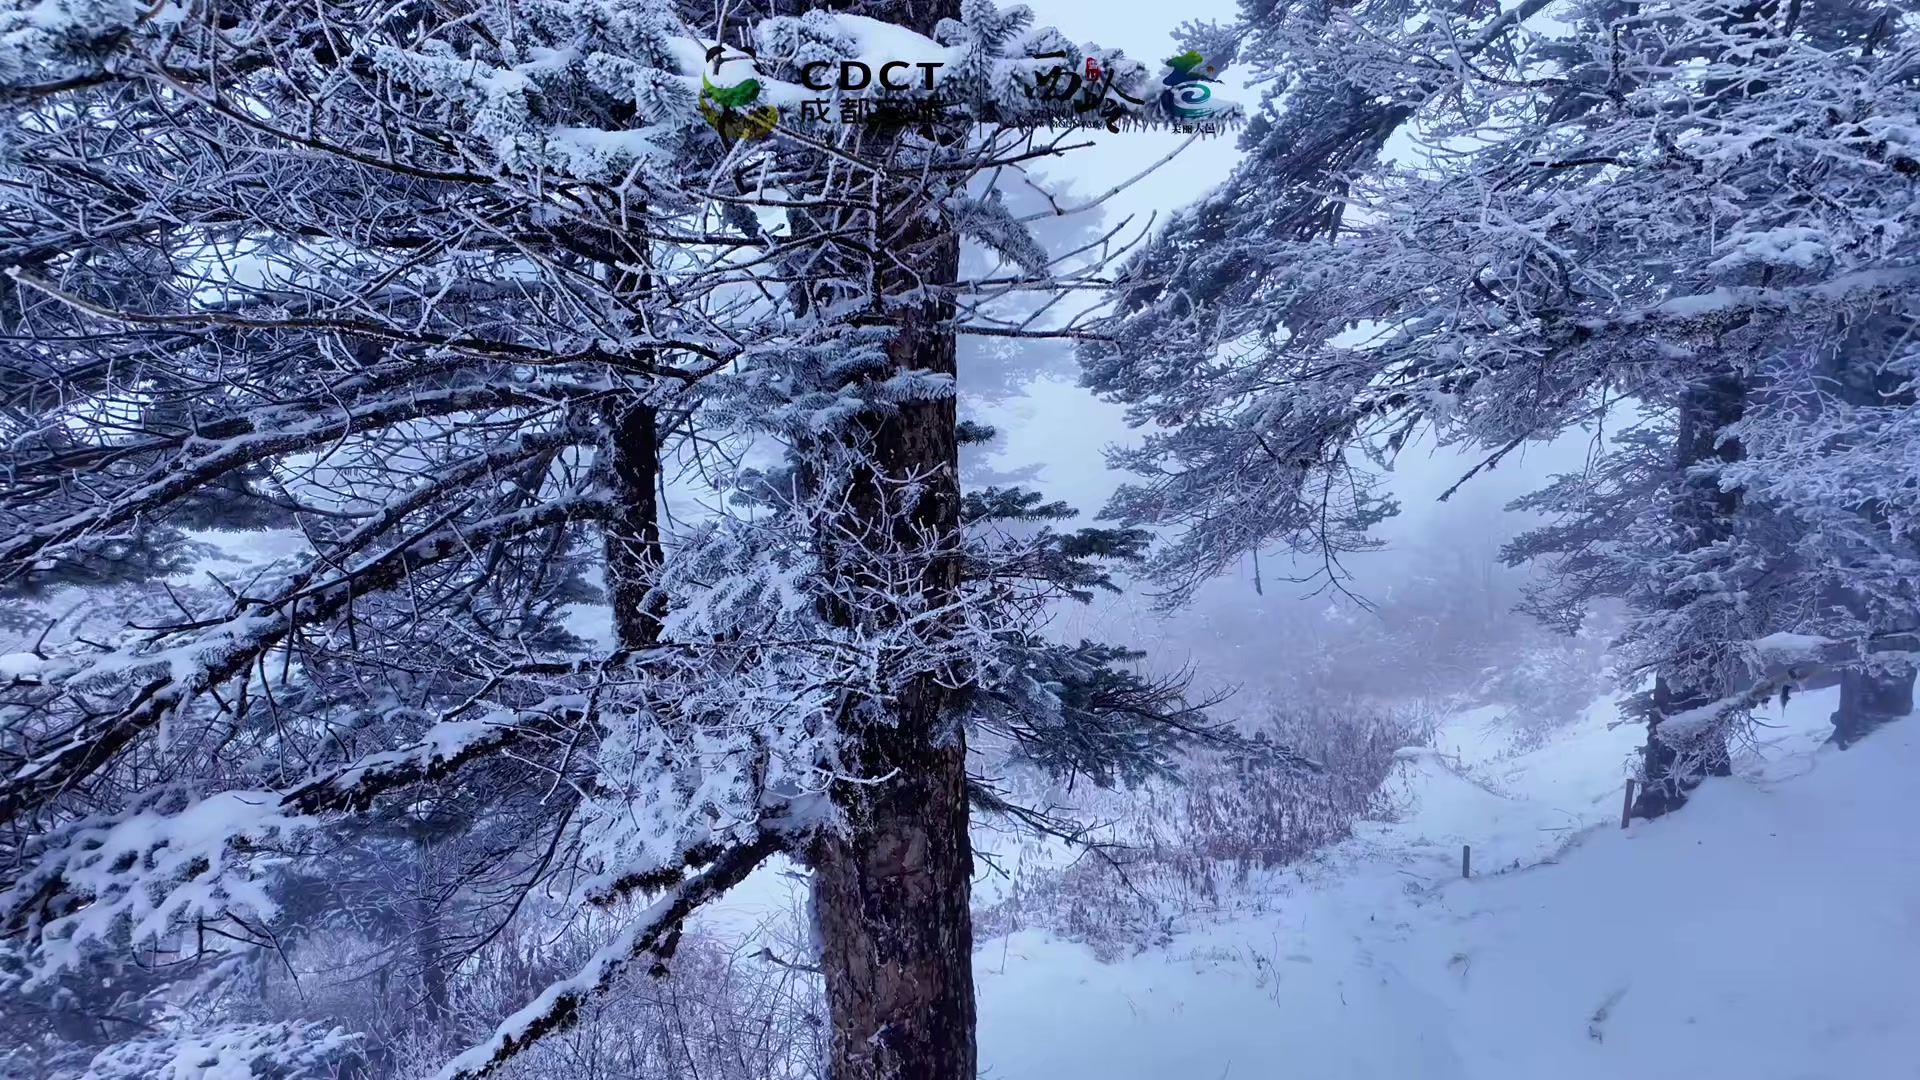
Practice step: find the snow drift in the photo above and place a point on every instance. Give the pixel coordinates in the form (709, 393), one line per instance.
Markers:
(1771, 931)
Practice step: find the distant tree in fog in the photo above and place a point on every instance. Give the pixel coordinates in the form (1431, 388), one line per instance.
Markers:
(1696, 210)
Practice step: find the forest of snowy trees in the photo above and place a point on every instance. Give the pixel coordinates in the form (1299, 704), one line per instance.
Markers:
(1691, 222)
(495, 311)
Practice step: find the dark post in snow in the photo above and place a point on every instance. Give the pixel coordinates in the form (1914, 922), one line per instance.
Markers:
(1626, 807)
(1466, 860)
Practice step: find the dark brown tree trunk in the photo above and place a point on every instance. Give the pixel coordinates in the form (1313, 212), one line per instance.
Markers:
(891, 889)
(1702, 515)
(633, 536)
(891, 901)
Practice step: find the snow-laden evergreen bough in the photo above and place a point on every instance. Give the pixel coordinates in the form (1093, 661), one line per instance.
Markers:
(1696, 210)
(470, 310)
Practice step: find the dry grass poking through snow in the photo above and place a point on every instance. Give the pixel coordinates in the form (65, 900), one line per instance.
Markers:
(1177, 849)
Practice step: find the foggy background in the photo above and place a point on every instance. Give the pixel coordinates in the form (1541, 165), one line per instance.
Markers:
(1441, 602)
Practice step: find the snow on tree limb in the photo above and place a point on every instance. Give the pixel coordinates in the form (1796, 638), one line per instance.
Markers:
(1809, 656)
(211, 658)
(652, 933)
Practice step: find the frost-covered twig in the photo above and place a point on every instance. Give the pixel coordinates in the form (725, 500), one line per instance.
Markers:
(652, 933)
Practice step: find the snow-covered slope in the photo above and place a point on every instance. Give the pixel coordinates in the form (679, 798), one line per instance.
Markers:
(1770, 931)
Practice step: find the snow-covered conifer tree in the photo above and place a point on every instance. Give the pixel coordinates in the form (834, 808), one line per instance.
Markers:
(493, 312)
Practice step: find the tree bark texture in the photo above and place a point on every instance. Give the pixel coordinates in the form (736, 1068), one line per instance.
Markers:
(891, 890)
(632, 535)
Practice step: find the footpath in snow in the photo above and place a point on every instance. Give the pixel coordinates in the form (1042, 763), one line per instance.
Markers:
(1769, 931)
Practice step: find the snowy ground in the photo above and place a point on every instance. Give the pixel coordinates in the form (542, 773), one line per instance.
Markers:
(1771, 931)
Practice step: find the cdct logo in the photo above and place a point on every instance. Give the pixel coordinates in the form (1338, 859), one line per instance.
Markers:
(855, 75)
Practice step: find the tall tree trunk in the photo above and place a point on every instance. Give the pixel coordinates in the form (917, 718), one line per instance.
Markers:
(1859, 375)
(632, 535)
(891, 904)
(1702, 516)
(426, 948)
(891, 888)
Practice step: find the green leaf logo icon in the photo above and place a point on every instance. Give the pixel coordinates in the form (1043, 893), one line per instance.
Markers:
(730, 97)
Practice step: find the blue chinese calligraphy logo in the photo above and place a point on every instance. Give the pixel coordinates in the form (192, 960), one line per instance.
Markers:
(1187, 95)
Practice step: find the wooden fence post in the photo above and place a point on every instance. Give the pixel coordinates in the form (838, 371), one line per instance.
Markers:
(1466, 860)
(1626, 805)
